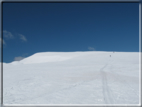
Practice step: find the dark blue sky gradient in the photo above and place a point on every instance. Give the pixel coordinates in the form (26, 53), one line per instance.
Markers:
(66, 27)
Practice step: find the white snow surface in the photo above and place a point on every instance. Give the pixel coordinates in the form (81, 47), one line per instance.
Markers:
(73, 78)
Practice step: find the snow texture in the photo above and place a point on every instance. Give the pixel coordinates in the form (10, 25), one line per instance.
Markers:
(73, 78)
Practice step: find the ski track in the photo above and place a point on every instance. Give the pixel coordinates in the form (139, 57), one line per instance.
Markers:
(107, 92)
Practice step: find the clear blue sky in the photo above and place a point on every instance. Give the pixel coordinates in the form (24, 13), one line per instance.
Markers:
(29, 28)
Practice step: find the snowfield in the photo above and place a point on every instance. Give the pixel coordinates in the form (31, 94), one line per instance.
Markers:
(90, 77)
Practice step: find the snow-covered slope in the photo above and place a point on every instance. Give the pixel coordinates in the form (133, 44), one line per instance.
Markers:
(73, 78)
(47, 57)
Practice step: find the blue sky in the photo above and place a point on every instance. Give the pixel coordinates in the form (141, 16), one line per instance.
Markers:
(29, 28)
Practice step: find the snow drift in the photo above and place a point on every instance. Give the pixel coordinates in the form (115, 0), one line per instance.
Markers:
(46, 57)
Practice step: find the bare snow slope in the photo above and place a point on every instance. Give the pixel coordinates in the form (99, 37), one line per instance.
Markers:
(73, 78)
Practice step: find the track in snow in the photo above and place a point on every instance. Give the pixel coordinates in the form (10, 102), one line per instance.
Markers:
(107, 93)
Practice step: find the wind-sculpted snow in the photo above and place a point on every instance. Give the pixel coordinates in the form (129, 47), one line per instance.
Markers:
(73, 78)
(46, 57)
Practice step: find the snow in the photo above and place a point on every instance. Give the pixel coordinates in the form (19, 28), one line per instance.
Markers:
(90, 77)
